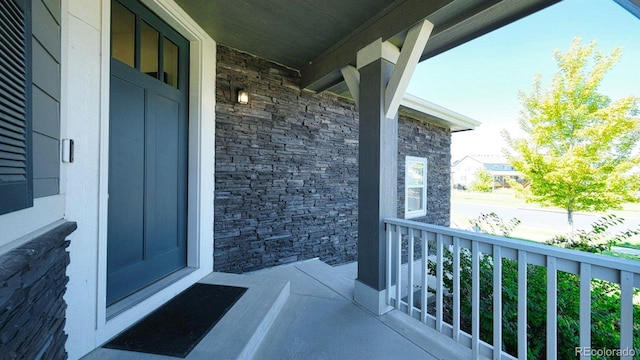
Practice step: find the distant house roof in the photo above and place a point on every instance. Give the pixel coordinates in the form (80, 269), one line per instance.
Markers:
(422, 109)
(491, 159)
(496, 164)
(485, 159)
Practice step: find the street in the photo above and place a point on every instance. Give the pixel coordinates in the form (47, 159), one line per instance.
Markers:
(536, 224)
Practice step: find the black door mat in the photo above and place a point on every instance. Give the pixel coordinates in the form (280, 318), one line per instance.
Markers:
(175, 328)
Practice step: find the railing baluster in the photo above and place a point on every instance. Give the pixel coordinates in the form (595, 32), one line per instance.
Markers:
(615, 271)
(398, 254)
(410, 273)
(425, 270)
(497, 302)
(626, 312)
(456, 288)
(439, 280)
(522, 304)
(475, 300)
(552, 308)
(585, 306)
(389, 262)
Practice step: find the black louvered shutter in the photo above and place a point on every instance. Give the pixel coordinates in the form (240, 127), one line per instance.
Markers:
(16, 185)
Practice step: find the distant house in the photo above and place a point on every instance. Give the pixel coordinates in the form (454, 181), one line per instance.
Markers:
(463, 171)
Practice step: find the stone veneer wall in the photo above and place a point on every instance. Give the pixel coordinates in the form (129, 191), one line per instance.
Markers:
(433, 143)
(32, 309)
(286, 182)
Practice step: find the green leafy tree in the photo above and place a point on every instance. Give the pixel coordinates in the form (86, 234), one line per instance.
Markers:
(483, 181)
(580, 153)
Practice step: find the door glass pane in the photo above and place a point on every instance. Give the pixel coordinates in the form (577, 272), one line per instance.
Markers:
(170, 58)
(149, 50)
(414, 199)
(122, 34)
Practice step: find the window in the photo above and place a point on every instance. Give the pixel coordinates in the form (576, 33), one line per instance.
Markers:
(415, 187)
(16, 183)
(140, 44)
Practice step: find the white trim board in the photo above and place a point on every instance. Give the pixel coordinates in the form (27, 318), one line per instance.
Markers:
(449, 118)
(19, 227)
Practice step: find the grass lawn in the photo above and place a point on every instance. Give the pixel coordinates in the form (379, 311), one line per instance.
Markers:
(508, 198)
(520, 232)
(630, 245)
(622, 255)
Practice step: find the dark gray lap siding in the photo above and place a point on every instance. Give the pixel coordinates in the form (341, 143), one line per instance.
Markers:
(286, 181)
(46, 97)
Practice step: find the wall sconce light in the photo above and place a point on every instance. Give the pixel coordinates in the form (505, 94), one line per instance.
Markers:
(243, 96)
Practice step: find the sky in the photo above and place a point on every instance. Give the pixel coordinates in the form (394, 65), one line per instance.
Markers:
(482, 78)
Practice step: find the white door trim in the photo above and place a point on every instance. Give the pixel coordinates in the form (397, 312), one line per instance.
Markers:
(202, 75)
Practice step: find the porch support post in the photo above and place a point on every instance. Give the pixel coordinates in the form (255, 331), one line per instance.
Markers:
(377, 173)
(382, 86)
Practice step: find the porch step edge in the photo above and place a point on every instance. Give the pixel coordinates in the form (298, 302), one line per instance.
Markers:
(328, 276)
(241, 331)
(254, 343)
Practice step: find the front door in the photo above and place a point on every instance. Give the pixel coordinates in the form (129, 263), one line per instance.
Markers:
(146, 232)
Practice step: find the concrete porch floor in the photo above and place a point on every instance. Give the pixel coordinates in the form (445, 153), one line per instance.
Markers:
(305, 311)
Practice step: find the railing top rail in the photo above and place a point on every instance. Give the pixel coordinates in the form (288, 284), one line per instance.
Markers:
(533, 247)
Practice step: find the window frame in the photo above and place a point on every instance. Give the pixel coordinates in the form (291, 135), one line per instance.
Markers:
(423, 211)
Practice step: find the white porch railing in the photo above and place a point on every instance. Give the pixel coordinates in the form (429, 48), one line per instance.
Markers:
(409, 282)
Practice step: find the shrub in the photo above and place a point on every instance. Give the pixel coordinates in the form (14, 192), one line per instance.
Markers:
(605, 301)
(596, 240)
(492, 224)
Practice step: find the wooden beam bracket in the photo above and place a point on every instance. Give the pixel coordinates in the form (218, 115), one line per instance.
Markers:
(351, 77)
(409, 56)
(405, 61)
(323, 71)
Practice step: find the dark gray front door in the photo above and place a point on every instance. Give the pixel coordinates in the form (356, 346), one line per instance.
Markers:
(146, 233)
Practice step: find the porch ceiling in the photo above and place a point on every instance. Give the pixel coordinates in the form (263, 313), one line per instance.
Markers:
(319, 37)
(288, 32)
